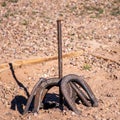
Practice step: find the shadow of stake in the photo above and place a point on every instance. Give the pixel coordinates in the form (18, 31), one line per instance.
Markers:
(17, 81)
(18, 101)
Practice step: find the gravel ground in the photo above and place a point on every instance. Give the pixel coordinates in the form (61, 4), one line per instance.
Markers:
(28, 30)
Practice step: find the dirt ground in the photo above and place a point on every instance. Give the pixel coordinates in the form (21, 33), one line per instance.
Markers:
(28, 31)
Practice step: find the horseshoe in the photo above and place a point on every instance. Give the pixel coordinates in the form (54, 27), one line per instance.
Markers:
(77, 79)
(42, 91)
(81, 95)
(32, 95)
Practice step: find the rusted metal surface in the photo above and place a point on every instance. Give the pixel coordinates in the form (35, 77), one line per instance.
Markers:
(42, 91)
(76, 79)
(60, 65)
(83, 98)
(39, 91)
(59, 37)
(32, 95)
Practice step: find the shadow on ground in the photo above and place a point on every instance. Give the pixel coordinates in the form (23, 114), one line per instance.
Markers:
(19, 102)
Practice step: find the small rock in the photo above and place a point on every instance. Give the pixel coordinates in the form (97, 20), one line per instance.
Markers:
(35, 114)
(109, 95)
(73, 113)
(64, 112)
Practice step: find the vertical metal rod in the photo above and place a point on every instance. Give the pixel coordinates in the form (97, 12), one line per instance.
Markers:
(59, 37)
(59, 48)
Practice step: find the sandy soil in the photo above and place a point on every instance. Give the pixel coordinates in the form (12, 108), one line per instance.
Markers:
(28, 30)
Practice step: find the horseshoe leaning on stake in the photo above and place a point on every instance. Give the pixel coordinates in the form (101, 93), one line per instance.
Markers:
(78, 80)
(42, 91)
(32, 95)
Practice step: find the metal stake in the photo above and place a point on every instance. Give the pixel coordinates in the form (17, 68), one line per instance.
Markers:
(59, 37)
(59, 48)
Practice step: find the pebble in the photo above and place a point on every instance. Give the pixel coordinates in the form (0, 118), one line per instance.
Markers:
(109, 95)
(73, 113)
(35, 114)
(64, 112)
